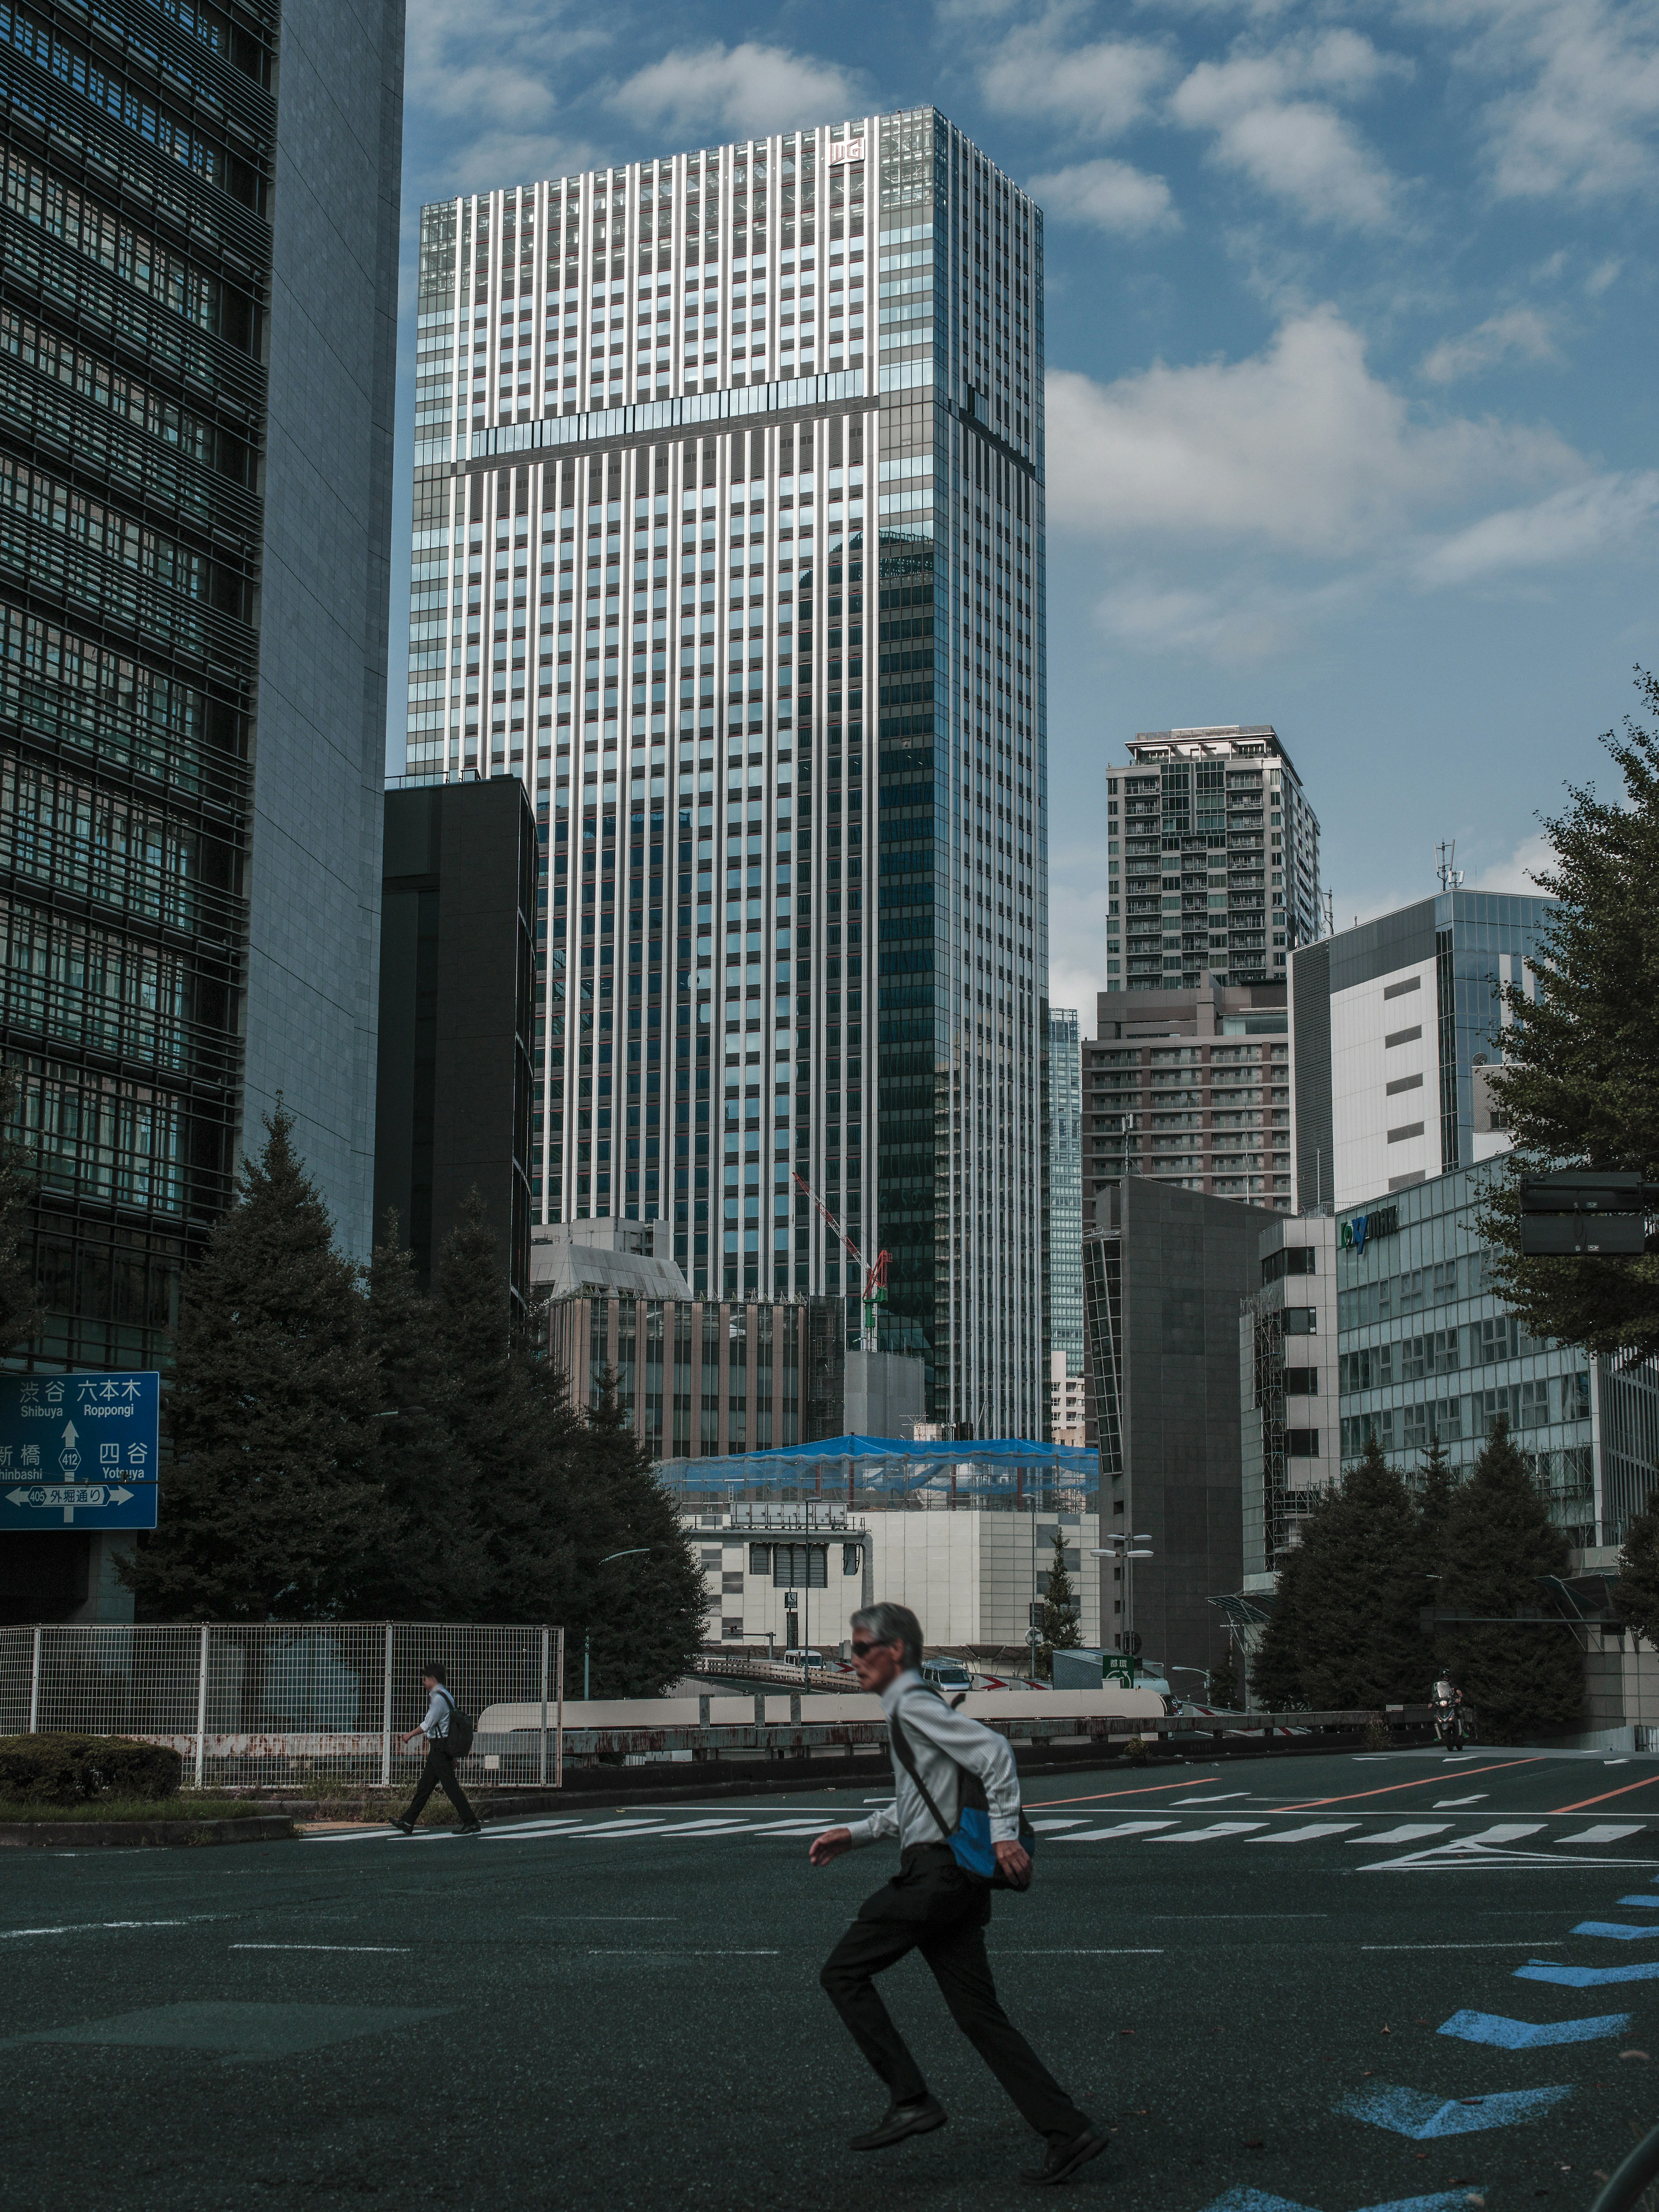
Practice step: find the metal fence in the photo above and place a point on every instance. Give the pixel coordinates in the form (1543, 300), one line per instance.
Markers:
(274, 1702)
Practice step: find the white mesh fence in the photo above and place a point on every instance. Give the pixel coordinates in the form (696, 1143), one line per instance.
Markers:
(274, 1702)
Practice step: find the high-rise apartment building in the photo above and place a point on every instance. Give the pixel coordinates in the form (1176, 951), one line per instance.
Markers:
(197, 317)
(728, 531)
(1065, 1173)
(1212, 860)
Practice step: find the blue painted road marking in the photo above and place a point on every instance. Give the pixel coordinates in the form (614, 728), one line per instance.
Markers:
(1422, 2116)
(1620, 1931)
(1526, 2034)
(1642, 1897)
(1585, 1977)
(1256, 2200)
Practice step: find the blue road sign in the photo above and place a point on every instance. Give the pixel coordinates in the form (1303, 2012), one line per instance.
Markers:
(79, 1451)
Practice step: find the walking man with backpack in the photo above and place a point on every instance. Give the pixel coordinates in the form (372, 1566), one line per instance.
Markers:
(448, 1735)
(955, 1813)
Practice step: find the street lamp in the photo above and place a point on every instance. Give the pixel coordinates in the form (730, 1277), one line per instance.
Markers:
(1122, 1548)
(633, 1551)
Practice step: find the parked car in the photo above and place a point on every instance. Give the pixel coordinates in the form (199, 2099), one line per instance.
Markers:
(803, 1656)
(946, 1674)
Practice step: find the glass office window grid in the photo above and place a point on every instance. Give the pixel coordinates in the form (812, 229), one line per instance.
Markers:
(131, 332)
(1066, 1187)
(1210, 1115)
(1425, 1348)
(687, 432)
(1212, 861)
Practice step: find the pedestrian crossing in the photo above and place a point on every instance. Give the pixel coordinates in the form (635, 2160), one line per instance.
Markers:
(1549, 1835)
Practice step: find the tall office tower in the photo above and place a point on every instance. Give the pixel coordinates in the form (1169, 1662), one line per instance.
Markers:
(197, 302)
(728, 531)
(1064, 1190)
(1212, 861)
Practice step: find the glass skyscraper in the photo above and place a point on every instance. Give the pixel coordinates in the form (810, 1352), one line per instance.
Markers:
(197, 314)
(1066, 1187)
(728, 530)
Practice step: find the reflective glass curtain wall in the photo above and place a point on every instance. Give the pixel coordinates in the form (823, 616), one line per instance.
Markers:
(687, 432)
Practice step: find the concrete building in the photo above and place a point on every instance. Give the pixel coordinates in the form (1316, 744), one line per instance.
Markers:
(1212, 860)
(1288, 1389)
(688, 431)
(1164, 1272)
(1425, 1349)
(452, 1092)
(1067, 1397)
(963, 1534)
(1191, 1088)
(1063, 1172)
(1395, 1024)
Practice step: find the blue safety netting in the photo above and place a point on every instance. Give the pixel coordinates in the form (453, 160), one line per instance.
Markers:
(998, 1473)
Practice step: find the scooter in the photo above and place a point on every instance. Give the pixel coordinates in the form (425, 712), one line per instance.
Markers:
(1449, 1723)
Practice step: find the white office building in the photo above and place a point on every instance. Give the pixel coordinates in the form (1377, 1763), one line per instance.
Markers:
(728, 531)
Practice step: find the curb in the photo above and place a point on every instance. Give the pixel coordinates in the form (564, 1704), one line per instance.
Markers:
(258, 1828)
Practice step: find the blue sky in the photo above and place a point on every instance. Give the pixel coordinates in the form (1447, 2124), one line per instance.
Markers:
(1353, 405)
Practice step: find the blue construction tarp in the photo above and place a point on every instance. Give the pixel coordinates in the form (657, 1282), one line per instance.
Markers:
(999, 1473)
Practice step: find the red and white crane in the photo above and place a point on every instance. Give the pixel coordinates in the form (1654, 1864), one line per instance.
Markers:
(875, 1275)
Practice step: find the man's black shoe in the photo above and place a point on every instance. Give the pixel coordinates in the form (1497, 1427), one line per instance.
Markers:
(900, 2121)
(1065, 2157)
(473, 1828)
(404, 1827)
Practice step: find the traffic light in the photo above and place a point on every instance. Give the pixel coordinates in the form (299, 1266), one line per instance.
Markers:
(1595, 1213)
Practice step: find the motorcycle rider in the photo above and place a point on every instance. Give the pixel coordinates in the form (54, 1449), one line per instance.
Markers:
(1448, 1701)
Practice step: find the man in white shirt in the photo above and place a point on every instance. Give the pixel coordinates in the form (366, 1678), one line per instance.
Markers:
(440, 1767)
(934, 1905)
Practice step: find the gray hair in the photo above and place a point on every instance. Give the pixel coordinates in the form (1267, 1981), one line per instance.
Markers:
(893, 1624)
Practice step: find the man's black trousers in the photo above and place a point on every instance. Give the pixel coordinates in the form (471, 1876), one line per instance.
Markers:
(441, 1768)
(933, 1907)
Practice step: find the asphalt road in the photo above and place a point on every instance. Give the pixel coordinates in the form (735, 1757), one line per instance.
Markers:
(1248, 1973)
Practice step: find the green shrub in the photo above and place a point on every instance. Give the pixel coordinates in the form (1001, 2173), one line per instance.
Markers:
(68, 1770)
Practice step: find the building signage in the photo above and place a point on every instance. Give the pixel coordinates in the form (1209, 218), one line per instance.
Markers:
(1364, 1228)
(847, 150)
(79, 1451)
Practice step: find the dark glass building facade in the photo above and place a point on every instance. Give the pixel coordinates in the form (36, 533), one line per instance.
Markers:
(198, 310)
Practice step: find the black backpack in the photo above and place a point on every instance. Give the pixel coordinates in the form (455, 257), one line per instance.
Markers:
(458, 1738)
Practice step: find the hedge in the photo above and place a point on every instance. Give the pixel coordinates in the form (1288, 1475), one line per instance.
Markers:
(68, 1770)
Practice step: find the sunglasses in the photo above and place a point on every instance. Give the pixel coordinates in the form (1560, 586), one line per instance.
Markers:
(862, 1650)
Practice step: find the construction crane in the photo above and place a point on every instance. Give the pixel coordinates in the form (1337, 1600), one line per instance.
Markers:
(875, 1277)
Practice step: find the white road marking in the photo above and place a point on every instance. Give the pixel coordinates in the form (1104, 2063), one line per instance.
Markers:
(1044, 1827)
(1407, 1834)
(1307, 1835)
(1505, 1832)
(378, 1948)
(1123, 1828)
(93, 1927)
(1209, 1835)
(1227, 1797)
(1479, 1798)
(1510, 1943)
(1608, 1833)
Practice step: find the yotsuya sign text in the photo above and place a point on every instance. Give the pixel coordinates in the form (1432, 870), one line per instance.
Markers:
(1363, 1229)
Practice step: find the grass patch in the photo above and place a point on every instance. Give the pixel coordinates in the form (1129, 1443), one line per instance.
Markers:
(134, 1808)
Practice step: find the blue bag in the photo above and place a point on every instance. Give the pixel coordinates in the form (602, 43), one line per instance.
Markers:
(970, 1839)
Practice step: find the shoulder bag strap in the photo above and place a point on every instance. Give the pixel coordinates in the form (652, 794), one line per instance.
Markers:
(907, 1759)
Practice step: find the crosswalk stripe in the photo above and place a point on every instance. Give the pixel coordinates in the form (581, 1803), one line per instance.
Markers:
(1307, 1835)
(1608, 1833)
(1407, 1833)
(1216, 1828)
(1123, 1828)
(1505, 1832)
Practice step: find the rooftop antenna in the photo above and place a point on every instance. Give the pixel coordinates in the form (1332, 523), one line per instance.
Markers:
(1451, 877)
(1327, 908)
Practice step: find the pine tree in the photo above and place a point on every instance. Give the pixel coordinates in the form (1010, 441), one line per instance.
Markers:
(1577, 1083)
(1222, 1688)
(1345, 1627)
(271, 1497)
(644, 1614)
(1635, 1593)
(1058, 1628)
(1435, 1487)
(19, 1303)
(1499, 1540)
(432, 1565)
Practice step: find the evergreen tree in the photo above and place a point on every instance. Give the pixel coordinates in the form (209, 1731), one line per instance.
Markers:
(1435, 1487)
(272, 1496)
(645, 1614)
(1635, 1593)
(20, 1305)
(1222, 1688)
(1577, 1083)
(1499, 1540)
(1345, 1630)
(432, 1565)
(1060, 1628)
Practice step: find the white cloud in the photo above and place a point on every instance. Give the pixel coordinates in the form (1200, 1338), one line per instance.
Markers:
(1097, 90)
(1111, 195)
(1519, 872)
(1299, 447)
(1604, 273)
(488, 71)
(1295, 147)
(1579, 113)
(1581, 520)
(1521, 330)
(747, 88)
